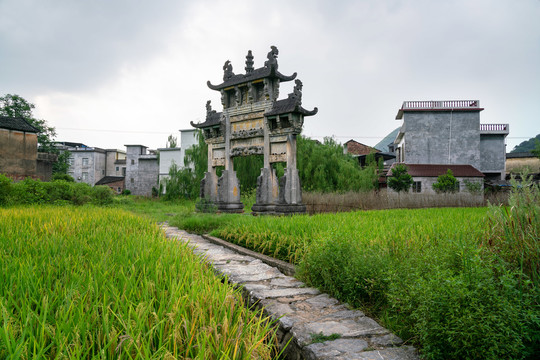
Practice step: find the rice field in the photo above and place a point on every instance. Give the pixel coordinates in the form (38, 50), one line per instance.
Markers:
(83, 282)
(428, 275)
(399, 230)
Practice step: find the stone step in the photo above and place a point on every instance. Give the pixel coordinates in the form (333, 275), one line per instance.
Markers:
(304, 314)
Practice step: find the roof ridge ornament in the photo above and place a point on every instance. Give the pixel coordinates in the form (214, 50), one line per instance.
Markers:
(296, 95)
(209, 110)
(227, 70)
(249, 63)
(272, 58)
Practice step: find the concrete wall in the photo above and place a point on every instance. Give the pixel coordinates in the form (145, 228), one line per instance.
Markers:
(492, 154)
(427, 183)
(18, 154)
(113, 156)
(442, 137)
(188, 138)
(90, 171)
(166, 158)
(44, 165)
(141, 170)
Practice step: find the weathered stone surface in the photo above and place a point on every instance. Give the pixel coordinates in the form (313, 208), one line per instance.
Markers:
(277, 293)
(386, 340)
(336, 349)
(300, 311)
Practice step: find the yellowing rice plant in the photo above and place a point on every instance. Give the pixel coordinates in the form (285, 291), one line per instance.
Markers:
(103, 283)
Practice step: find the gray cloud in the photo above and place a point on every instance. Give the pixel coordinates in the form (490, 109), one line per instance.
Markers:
(358, 59)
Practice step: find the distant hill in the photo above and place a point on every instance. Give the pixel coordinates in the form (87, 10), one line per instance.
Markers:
(527, 145)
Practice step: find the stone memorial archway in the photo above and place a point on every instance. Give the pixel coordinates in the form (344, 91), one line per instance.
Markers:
(254, 122)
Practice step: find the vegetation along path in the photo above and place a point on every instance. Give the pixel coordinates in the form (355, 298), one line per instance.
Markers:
(312, 325)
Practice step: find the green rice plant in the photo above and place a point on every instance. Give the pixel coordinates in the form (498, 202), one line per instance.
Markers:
(84, 282)
(423, 272)
(514, 231)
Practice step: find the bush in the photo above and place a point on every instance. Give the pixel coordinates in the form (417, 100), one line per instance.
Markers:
(464, 315)
(5, 189)
(514, 231)
(30, 191)
(400, 179)
(81, 194)
(446, 183)
(64, 177)
(102, 195)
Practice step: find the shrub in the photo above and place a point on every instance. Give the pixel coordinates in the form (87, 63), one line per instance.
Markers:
(102, 195)
(59, 191)
(5, 189)
(126, 192)
(30, 191)
(473, 187)
(64, 177)
(400, 179)
(514, 231)
(446, 183)
(81, 194)
(464, 315)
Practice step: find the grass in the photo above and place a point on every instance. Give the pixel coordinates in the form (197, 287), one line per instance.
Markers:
(84, 282)
(427, 274)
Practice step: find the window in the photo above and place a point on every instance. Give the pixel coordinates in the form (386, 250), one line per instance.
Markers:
(417, 187)
(117, 168)
(132, 180)
(85, 162)
(132, 161)
(85, 176)
(119, 190)
(102, 172)
(71, 161)
(123, 171)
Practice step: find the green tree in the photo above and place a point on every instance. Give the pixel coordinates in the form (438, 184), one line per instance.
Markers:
(324, 167)
(446, 183)
(61, 166)
(536, 150)
(16, 106)
(180, 184)
(196, 157)
(400, 180)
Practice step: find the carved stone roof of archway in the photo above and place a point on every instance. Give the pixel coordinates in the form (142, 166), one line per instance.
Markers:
(289, 105)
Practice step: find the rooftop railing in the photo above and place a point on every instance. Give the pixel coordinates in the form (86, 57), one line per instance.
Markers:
(440, 104)
(494, 128)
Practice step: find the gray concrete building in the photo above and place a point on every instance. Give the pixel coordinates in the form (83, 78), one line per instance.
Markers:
(142, 170)
(91, 164)
(449, 132)
(87, 164)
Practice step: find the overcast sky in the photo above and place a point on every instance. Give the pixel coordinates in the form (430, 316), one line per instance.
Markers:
(113, 72)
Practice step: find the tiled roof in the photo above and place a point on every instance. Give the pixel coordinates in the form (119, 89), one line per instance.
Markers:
(435, 170)
(212, 119)
(355, 148)
(287, 106)
(17, 123)
(110, 179)
(256, 74)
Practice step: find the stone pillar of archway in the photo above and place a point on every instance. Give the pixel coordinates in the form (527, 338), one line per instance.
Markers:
(228, 186)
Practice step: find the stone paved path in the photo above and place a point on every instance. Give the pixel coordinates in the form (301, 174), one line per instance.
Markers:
(301, 311)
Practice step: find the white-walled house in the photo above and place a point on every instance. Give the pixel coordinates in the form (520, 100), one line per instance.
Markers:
(176, 155)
